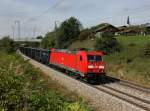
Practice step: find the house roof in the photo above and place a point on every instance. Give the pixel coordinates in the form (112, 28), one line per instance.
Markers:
(122, 28)
(146, 25)
(104, 26)
(127, 31)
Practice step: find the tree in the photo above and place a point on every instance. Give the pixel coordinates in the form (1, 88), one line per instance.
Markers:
(107, 43)
(7, 44)
(49, 40)
(68, 32)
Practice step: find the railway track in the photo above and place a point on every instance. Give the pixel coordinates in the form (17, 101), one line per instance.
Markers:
(132, 93)
(140, 103)
(129, 84)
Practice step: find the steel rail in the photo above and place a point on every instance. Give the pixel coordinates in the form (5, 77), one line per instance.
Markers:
(130, 84)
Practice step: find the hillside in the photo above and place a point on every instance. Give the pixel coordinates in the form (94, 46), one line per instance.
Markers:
(129, 63)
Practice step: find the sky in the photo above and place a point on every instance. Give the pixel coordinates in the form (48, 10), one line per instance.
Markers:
(37, 17)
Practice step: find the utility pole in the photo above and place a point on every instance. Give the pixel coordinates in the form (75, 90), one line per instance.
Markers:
(13, 31)
(55, 26)
(18, 23)
(34, 32)
(55, 31)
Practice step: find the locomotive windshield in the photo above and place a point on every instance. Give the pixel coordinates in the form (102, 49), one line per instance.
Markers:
(94, 58)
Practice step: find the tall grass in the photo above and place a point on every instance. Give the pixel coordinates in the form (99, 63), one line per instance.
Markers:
(24, 88)
(129, 63)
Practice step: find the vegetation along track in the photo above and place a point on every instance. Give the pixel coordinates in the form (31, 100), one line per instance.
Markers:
(133, 94)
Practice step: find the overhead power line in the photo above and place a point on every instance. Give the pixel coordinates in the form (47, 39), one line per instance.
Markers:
(13, 31)
(44, 12)
(37, 17)
(136, 10)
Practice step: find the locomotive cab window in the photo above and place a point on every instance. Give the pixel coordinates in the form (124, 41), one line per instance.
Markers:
(80, 58)
(94, 58)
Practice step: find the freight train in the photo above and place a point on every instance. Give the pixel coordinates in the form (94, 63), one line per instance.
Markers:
(84, 64)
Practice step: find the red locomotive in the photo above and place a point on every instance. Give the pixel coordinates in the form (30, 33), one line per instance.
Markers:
(86, 63)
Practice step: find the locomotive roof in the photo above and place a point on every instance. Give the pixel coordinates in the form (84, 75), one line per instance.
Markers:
(95, 53)
(37, 49)
(75, 52)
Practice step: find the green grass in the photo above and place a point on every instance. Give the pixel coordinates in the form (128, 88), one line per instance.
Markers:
(129, 64)
(22, 87)
(139, 40)
(124, 40)
(83, 44)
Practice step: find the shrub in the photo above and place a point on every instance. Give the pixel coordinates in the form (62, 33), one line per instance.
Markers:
(108, 43)
(131, 44)
(84, 34)
(10, 90)
(129, 60)
(49, 40)
(76, 106)
(146, 50)
(6, 44)
(47, 101)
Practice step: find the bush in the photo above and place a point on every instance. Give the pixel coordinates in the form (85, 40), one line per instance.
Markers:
(7, 44)
(49, 40)
(146, 50)
(48, 101)
(132, 45)
(107, 43)
(10, 90)
(76, 107)
(84, 34)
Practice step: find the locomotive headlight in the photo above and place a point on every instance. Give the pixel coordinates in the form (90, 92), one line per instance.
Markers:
(90, 66)
(101, 67)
